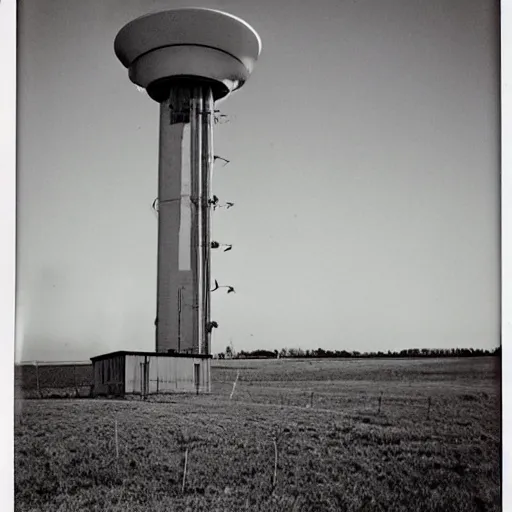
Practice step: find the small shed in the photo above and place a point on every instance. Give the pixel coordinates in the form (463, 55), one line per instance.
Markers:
(125, 373)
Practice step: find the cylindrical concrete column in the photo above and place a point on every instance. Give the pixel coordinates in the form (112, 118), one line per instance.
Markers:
(185, 162)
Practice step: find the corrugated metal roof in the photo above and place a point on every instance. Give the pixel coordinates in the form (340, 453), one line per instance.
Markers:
(153, 354)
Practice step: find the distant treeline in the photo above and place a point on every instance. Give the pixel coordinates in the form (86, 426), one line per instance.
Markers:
(321, 353)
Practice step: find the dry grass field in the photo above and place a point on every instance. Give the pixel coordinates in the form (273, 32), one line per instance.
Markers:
(335, 450)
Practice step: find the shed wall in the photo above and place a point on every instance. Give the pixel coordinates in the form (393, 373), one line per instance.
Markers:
(109, 376)
(166, 374)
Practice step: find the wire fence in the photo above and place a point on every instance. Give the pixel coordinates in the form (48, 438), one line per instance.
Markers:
(48, 379)
(373, 403)
(423, 399)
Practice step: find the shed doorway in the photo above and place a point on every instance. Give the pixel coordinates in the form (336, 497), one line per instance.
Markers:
(197, 376)
(144, 378)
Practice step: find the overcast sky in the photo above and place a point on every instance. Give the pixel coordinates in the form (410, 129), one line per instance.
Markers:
(364, 166)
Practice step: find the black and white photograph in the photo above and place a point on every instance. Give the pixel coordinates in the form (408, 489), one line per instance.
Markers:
(258, 256)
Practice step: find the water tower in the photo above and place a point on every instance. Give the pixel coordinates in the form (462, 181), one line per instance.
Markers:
(186, 60)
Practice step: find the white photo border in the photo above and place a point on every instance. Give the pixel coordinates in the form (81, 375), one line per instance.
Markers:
(8, 230)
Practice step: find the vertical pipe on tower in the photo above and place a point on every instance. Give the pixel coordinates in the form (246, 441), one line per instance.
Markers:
(197, 234)
(206, 171)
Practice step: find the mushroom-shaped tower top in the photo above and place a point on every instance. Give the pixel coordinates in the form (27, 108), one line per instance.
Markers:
(188, 44)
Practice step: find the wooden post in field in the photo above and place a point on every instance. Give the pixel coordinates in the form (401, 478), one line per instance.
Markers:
(234, 385)
(74, 380)
(380, 402)
(311, 400)
(37, 380)
(274, 480)
(116, 439)
(428, 409)
(184, 471)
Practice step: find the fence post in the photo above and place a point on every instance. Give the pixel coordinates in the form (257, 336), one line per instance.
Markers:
(234, 385)
(37, 380)
(74, 380)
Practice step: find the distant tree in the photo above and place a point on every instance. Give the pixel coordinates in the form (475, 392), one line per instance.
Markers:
(229, 352)
(292, 352)
(261, 353)
(406, 353)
